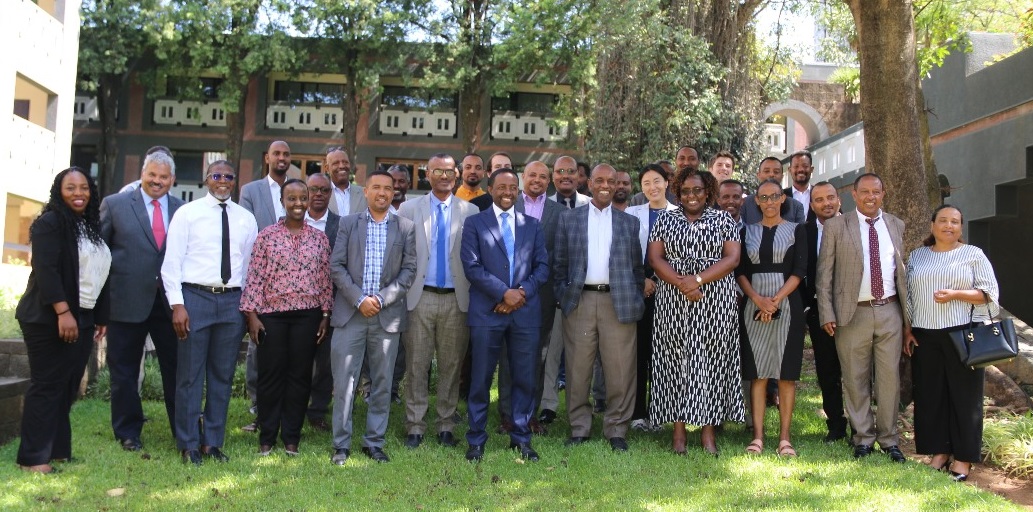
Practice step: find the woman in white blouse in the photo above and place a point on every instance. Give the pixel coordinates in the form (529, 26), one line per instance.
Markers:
(945, 279)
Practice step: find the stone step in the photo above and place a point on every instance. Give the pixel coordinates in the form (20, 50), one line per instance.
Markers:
(12, 390)
(14, 360)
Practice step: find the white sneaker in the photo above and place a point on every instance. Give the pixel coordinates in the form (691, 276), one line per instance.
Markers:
(641, 425)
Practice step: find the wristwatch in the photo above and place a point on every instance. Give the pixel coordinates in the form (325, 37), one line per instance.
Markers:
(326, 314)
(699, 280)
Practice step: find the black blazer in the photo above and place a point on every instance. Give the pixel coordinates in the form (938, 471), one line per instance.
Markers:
(333, 224)
(810, 291)
(483, 201)
(55, 275)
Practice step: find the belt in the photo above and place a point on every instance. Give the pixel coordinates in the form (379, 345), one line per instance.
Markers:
(439, 291)
(876, 303)
(605, 288)
(214, 289)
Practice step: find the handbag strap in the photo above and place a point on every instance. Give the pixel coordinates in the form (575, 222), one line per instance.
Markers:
(986, 302)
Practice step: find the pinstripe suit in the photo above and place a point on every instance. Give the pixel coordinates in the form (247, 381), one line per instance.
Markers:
(865, 336)
(598, 322)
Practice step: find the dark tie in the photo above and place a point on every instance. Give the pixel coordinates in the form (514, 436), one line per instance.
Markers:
(873, 258)
(442, 247)
(158, 224)
(225, 244)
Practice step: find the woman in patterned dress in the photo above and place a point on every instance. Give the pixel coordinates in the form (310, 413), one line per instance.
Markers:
(287, 300)
(696, 377)
(773, 263)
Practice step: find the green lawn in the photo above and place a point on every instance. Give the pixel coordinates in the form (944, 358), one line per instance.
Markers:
(587, 477)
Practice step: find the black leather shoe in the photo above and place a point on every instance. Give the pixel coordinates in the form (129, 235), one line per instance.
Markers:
(574, 441)
(600, 407)
(547, 416)
(862, 450)
(526, 452)
(375, 453)
(834, 437)
(619, 444)
(192, 456)
(895, 454)
(319, 424)
(340, 456)
(131, 444)
(413, 440)
(447, 439)
(215, 453)
(475, 452)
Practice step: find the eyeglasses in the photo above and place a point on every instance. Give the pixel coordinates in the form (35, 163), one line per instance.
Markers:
(694, 191)
(324, 190)
(218, 176)
(567, 172)
(761, 198)
(448, 173)
(335, 148)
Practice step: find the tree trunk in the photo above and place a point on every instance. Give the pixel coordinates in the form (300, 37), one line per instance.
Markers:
(351, 107)
(236, 118)
(108, 91)
(470, 107)
(891, 109)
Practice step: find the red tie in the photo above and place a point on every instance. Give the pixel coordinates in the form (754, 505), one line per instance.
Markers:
(158, 224)
(873, 259)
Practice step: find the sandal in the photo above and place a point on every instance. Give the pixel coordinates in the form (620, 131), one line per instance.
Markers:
(756, 447)
(785, 449)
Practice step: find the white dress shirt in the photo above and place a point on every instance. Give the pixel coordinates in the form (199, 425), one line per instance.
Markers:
(343, 198)
(193, 246)
(274, 192)
(804, 198)
(94, 266)
(511, 220)
(319, 223)
(600, 235)
(889, 266)
(163, 201)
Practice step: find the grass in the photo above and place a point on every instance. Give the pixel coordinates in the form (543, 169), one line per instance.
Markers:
(1008, 442)
(587, 477)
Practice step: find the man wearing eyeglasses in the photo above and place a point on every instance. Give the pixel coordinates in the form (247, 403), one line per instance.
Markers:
(437, 303)
(348, 198)
(565, 178)
(319, 216)
(792, 211)
(206, 256)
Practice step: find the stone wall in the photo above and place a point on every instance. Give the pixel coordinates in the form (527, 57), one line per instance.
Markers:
(830, 101)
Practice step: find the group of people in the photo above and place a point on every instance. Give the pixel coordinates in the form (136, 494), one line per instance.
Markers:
(677, 305)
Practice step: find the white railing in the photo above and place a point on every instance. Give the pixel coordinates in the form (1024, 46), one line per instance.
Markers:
(188, 191)
(86, 109)
(416, 122)
(527, 126)
(841, 156)
(32, 150)
(316, 118)
(774, 138)
(189, 113)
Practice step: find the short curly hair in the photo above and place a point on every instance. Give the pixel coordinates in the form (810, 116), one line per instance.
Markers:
(709, 183)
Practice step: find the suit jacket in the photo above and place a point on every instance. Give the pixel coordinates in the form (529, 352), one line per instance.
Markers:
(482, 202)
(788, 191)
(810, 282)
(333, 225)
(840, 267)
(347, 264)
(356, 200)
(579, 199)
(627, 273)
(486, 265)
(791, 210)
(55, 275)
(418, 211)
(135, 256)
(255, 198)
(550, 222)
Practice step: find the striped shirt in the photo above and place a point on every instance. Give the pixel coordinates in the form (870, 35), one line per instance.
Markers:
(373, 264)
(964, 268)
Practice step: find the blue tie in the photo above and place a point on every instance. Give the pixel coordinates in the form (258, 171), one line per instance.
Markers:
(442, 246)
(507, 237)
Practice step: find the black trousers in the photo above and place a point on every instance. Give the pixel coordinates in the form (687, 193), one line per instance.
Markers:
(55, 371)
(830, 375)
(322, 380)
(284, 360)
(644, 349)
(126, 342)
(948, 398)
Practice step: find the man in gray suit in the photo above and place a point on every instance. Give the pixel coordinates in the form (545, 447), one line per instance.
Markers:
(600, 281)
(373, 268)
(861, 288)
(134, 225)
(437, 303)
(792, 211)
(262, 199)
(320, 193)
(348, 197)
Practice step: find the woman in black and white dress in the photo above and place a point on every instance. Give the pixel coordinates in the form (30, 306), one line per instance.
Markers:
(945, 279)
(696, 375)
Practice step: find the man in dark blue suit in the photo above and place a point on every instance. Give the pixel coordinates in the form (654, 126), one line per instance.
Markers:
(504, 258)
(134, 225)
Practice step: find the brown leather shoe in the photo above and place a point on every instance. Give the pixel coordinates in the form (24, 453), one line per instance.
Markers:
(537, 428)
(320, 424)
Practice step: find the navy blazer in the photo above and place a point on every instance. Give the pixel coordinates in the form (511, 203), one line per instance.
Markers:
(333, 224)
(135, 256)
(487, 268)
(55, 275)
(627, 272)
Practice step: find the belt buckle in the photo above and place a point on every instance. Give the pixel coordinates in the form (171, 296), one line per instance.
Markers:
(217, 290)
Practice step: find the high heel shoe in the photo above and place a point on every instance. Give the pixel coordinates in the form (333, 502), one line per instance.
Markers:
(943, 468)
(958, 477)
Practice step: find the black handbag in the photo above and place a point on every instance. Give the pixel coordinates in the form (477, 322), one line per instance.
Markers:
(981, 345)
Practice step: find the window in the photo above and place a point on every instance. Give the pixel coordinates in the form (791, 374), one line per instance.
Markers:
(308, 92)
(34, 103)
(414, 97)
(526, 102)
(193, 87)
